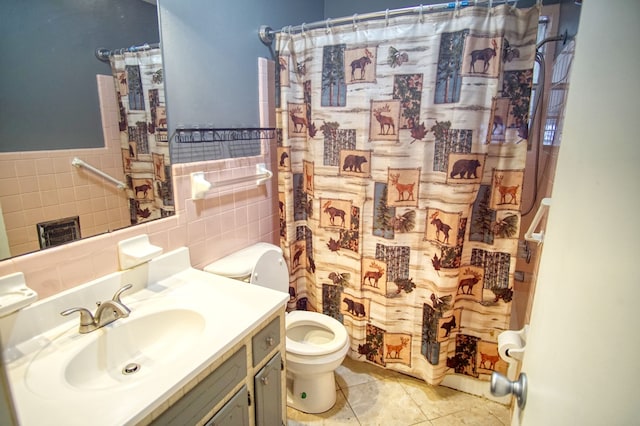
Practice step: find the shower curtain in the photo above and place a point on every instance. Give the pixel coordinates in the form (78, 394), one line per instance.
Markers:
(401, 150)
(144, 141)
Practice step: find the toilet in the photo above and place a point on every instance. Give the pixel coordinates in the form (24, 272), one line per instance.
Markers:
(316, 344)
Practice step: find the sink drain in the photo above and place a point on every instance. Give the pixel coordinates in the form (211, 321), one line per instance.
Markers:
(131, 368)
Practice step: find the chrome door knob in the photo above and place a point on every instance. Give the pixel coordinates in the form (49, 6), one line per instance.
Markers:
(501, 386)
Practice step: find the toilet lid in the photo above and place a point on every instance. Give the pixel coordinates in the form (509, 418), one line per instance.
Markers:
(239, 264)
(299, 318)
(271, 271)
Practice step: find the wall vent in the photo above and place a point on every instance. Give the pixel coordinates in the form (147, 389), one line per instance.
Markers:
(60, 231)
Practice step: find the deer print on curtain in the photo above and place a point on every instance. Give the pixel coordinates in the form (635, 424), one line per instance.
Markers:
(401, 151)
(143, 133)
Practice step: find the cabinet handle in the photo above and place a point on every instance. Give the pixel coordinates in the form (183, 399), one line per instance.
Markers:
(270, 341)
(265, 380)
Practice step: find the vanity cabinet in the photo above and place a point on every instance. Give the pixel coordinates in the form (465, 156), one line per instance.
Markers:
(267, 387)
(233, 413)
(199, 401)
(246, 389)
(265, 340)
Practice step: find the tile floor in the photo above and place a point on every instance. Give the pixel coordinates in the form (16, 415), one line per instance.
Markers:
(368, 395)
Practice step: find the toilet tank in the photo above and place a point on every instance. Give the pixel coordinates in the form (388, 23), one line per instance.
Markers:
(260, 264)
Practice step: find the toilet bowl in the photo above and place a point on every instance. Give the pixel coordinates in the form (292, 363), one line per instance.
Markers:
(316, 344)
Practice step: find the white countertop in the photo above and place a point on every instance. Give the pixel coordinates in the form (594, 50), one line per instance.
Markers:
(42, 395)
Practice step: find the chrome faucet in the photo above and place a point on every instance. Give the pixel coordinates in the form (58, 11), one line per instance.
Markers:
(106, 313)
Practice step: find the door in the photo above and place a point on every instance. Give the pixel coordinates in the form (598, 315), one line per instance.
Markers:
(583, 350)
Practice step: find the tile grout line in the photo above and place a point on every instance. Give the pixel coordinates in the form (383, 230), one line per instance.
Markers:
(350, 407)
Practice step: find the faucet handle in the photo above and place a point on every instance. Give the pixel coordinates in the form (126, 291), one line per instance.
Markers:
(116, 296)
(86, 318)
(87, 322)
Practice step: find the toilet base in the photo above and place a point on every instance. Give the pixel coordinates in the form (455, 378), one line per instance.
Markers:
(311, 394)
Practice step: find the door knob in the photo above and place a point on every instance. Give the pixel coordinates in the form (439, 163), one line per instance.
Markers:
(501, 386)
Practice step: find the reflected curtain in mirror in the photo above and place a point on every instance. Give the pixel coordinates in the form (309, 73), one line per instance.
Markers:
(144, 141)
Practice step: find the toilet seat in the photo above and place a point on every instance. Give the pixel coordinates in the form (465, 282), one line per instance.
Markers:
(320, 321)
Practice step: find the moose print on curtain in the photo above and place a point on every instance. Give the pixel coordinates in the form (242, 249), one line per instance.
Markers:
(402, 147)
(143, 133)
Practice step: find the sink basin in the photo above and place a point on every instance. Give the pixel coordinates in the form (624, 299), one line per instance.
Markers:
(127, 351)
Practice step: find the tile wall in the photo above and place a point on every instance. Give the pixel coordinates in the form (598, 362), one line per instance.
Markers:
(226, 220)
(524, 290)
(38, 186)
(529, 255)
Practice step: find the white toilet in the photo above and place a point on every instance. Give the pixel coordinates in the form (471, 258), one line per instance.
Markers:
(316, 344)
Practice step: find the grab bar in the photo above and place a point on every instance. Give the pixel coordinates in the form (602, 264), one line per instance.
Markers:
(199, 185)
(538, 236)
(79, 164)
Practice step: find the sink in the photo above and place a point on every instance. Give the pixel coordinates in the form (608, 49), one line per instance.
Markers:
(125, 352)
(182, 321)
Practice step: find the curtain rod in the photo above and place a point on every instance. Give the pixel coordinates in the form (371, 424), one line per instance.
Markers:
(103, 54)
(267, 34)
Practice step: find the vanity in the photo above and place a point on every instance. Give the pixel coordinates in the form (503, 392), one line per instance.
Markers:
(195, 348)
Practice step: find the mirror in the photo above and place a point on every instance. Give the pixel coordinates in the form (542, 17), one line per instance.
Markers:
(50, 113)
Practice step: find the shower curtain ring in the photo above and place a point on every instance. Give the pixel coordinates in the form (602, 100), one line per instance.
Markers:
(355, 21)
(386, 17)
(490, 6)
(302, 29)
(328, 25)
(421, 13)
(515, 4)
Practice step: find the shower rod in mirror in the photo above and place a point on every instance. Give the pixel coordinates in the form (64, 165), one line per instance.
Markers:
(103, 54)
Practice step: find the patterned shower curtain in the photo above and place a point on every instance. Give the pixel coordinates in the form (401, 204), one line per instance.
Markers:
(144, 141)
(401, 158)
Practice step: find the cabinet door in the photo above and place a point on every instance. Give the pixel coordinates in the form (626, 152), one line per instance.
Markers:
(199, 401)
(233, 413)
(267, 384)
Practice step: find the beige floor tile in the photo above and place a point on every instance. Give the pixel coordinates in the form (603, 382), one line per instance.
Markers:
(439, 401)
(468, 416)
(340, 414)
(500, 411)
(353, 373)
(383, 403)
(369, 395)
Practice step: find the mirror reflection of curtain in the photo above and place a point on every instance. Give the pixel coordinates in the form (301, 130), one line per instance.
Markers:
(139, 84)
(399, 211)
